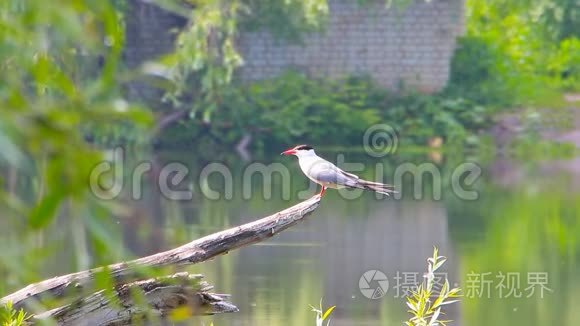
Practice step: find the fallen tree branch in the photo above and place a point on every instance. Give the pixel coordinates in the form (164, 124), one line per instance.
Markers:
(191, 253)
(160, 296)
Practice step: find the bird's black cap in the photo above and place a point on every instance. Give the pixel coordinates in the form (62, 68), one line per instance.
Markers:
(304, 147)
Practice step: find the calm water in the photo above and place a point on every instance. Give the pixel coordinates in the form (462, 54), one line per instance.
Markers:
(520, 235)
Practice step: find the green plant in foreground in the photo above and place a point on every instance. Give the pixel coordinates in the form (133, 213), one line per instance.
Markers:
(10, 317)
(321, 314)
(426, 311)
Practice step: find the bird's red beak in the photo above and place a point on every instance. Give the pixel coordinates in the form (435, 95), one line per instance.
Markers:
(290, 151)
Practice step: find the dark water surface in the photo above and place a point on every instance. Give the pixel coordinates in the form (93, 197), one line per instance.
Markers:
(519, 238)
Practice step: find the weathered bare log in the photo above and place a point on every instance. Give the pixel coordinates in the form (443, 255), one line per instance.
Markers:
(160, 296)
(191, 253)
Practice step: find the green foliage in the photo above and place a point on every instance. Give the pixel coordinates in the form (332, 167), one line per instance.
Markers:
(206, 48)
(11, 317)
(202, 65)
(62, 80)
(525, 51)
(61, 77)
(478, 72)
(420, 117)
(291, 20)
(564, 63)
(286, 20)
(556, 19)
(293, 108)
(424, 310)
(205, 54)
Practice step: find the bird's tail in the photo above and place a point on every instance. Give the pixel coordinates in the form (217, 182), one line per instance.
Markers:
(381, 188)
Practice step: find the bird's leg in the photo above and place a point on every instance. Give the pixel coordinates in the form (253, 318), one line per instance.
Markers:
(322, 191)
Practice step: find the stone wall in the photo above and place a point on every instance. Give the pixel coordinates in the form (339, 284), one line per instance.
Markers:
(411, 47)
(150, 33)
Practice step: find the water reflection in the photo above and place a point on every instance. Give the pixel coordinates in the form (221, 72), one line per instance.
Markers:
(519, 226)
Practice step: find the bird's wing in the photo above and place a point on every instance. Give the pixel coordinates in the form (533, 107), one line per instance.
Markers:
(329, 174)
(350, 175)
(326, 172)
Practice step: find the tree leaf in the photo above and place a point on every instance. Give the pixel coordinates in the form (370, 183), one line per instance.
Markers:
(328, 312)
(43, 213)
(433, 320)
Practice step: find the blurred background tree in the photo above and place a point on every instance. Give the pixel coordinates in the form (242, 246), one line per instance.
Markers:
(61, 78)
(524, 52)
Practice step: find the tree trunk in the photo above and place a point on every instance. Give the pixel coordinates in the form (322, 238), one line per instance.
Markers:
(157, 297)
(160, 294)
